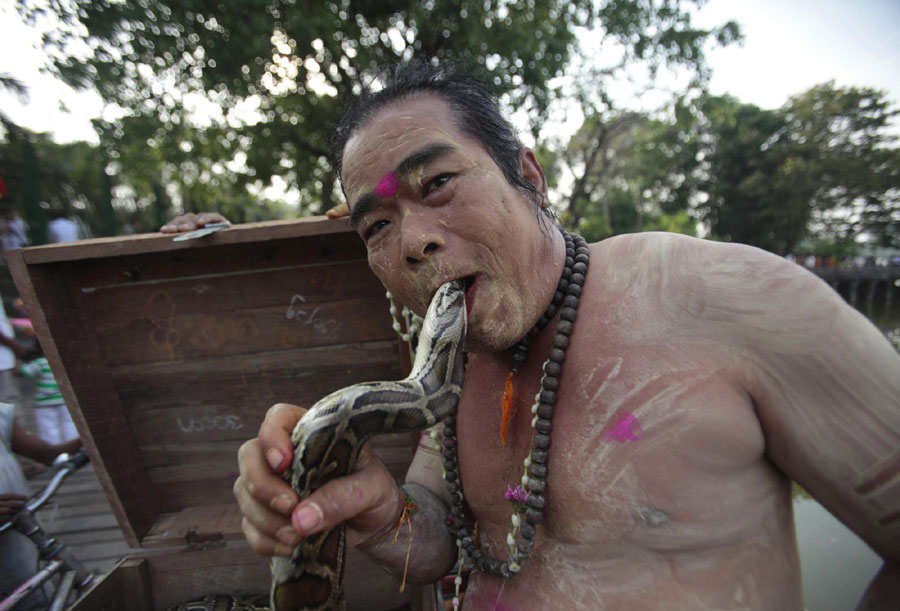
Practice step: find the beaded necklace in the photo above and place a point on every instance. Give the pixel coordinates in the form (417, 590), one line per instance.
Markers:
(521, 538)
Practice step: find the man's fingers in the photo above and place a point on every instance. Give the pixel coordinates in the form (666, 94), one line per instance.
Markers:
(192, 221)
(339, 211)
(262, 544)
(368, 498)
(275, 434)
(258, 482)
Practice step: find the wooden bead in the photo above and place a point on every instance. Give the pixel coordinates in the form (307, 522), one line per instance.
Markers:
(542, 441)
(538, 470)
(545, 411)
(535, 516)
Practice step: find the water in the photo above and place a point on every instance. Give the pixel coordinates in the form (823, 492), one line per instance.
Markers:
(837, 565)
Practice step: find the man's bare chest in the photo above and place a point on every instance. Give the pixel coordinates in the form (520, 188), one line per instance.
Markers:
(641, 440)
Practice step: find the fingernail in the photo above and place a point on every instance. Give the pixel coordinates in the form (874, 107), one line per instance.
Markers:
(283, 504)
(308, 518)
(274, 457)
(287, 535)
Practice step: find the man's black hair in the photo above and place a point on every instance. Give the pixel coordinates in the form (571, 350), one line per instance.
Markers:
(476, 113)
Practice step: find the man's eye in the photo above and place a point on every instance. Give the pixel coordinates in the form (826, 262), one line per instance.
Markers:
(436, 183)
(374, 228)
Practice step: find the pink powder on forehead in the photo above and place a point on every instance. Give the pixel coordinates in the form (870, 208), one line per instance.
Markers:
(387, 186)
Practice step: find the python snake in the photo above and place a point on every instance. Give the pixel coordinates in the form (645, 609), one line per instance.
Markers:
(328, 438)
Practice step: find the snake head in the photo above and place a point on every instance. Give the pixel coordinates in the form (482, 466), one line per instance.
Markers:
(445, 321)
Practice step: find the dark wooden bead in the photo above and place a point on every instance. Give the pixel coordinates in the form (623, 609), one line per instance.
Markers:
(567, 314)
(556, 355)
(535, 516)
(539, 457)
(560, 341)
(577, 278)
(528, 530)
(538, 470)
(552, 369)
(536, 484)
(564, 327)
(536, 501)
(452, 487)
(570, 261)
(550, 382)
(575, 290)
(542, 441)
(579, 268)
(543, 426)
(449, 421)
(449, 442)
(545, 411)
(571, 301)
(456, 497)
(548, 397)
(450, 475)
(566, 273)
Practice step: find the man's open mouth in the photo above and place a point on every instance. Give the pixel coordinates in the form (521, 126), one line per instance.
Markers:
(469, 282)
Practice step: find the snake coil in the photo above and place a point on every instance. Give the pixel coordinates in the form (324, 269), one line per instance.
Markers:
(329, 437)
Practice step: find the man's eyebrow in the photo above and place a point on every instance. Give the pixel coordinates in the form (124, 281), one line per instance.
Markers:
(415, 159)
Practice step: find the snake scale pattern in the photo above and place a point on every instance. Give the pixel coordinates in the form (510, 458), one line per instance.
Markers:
(329, 437)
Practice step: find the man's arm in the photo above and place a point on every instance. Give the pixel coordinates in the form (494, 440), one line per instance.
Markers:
(368, 500)
(826, 387)
(28, 445)
(18, 349)
(432, 546)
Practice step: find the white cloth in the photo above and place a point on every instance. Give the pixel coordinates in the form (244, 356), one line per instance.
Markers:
(7, 356)
(12, 480)
(54, 424)
(62, 230)
(18, 555)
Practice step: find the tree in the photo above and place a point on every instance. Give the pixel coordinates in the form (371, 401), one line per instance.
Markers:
(274, 75)
(843, 152)
(823, 167)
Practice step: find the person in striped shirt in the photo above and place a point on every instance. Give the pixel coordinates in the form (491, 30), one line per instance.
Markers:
(52, 419)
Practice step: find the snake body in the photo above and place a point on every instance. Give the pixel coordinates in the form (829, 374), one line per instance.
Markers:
(329, 437)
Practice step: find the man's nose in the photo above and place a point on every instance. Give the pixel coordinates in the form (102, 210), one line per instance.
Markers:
(420, 239)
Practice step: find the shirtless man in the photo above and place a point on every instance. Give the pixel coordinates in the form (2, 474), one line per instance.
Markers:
(700, 378)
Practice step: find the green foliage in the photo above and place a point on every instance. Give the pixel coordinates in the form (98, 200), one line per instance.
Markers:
(44, 177)
(823, 167)
(276, 74)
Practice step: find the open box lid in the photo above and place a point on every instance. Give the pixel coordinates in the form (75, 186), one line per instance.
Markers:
(168, 354)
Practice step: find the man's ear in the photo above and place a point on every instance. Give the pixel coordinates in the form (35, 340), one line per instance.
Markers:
(533, 173)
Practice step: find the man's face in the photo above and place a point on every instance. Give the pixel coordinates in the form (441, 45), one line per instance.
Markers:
(432, 206)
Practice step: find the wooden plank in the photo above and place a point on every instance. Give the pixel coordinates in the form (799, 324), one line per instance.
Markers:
(77, 361)
(126, 588)
(99, 248)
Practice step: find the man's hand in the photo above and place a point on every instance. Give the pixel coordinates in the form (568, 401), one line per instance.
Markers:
(10, 504)
(274, 521)
(339, 211)
(191, 221)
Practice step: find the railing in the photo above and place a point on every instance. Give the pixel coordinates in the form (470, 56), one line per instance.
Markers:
(868, 283)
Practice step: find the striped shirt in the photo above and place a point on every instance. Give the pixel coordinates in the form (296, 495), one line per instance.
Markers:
(47, 393)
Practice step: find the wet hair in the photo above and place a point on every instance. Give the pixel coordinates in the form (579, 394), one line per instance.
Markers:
(476, 113)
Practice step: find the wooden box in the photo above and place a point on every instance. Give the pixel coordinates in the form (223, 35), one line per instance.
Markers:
(169, 353)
